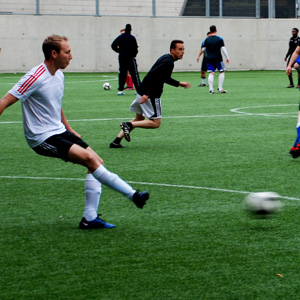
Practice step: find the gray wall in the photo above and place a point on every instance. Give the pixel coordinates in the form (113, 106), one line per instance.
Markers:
(252, 44)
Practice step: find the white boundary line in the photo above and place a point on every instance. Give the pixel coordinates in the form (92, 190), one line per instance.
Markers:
(146, 183)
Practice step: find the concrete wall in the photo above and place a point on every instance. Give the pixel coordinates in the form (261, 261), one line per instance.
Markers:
(253, 44)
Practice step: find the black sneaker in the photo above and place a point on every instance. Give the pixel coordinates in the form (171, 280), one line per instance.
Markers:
(115, 145)
(126, 131)
(95, 224)
(140, 198)
(295, 151)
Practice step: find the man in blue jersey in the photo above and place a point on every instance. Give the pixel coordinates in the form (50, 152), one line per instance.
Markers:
(213, 46)
(148, 103)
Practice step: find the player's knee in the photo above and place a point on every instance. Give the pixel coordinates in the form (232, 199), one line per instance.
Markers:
(156, 123)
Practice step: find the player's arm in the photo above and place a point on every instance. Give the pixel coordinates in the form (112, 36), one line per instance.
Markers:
(184, 84)
(200, 53)
(292, 60)
(7, 101)
(224, 51)
(67, 125)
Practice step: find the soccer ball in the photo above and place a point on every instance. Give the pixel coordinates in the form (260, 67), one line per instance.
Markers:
(107, 86)
(263, 204)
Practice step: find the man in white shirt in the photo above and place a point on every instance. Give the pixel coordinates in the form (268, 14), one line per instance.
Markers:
(48, 132)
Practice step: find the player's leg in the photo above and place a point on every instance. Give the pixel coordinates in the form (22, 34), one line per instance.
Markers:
(290, 77)
(133, 70)
(211, 73)
(295, 150)
(122, 74)
(203, 73)
(90, 159)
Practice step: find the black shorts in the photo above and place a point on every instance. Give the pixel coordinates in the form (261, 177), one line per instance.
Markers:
(203, 65)
(59, 145)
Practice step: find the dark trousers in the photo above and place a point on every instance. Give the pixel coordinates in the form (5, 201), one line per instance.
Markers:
(128, 64)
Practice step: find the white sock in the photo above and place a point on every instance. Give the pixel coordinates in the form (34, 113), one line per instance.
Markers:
(203, 80)
(114, 181)
(92, 197)
(211, 81)
(298, 124)
(221, 80)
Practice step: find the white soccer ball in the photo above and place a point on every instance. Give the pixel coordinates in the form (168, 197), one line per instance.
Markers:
(263, 203)
(107, 86)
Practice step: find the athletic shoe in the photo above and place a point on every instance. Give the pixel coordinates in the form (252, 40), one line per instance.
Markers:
(297, 86)
(202, 84)
(140, 198)
(211, 92)
(295, 151)
(115, 145)
(95, 224)
(121, 93)
(222, 91)
(126, 131)
(290, 86)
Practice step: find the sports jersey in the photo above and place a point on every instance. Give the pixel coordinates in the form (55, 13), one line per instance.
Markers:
(126, 45)
(293, 43)
(41, 95)
(160, 73)
(213, 45)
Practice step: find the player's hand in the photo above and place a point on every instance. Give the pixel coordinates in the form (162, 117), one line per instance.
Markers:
(186, 85)
(288, 71)
(76, 133)
(143, 99)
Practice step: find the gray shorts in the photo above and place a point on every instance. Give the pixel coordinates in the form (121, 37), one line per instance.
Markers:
(151, 109)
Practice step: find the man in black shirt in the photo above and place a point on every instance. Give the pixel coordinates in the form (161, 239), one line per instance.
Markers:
(148, 103)
(126, 45)
(293, 42)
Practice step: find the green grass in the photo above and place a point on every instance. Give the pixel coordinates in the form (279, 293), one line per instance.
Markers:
(193, 240)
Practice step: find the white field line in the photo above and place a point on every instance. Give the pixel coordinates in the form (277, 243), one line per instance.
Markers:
(146, 183)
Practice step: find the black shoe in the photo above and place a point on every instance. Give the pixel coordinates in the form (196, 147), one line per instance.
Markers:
(126, 131)
(95, 224)
(290, 86)
(140, 198)
(115, 145)
(295, 151)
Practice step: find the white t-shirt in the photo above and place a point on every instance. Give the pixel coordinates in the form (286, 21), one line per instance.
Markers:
(41, 97)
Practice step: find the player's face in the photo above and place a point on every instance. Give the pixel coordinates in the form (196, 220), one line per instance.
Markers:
(178, 52)
(64, 56)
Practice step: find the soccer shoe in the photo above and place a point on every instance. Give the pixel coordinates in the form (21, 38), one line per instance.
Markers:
(222, 91)
(295, 151)
(290, 86)
(121, 93)
(95, 224)
(126, 131)
(298, 86)
(115, 145)
(140, 198)
(211, 92)
(202, 84)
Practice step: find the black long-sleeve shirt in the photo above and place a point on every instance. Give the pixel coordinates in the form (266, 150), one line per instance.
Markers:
(293, 43)
(160, 73)
(126, 45)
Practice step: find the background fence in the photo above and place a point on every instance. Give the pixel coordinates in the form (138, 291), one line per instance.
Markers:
(155, 8)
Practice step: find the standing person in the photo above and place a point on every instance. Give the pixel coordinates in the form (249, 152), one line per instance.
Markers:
(48, 132)
(148, 103)
(213, 45)
(295, 149)
(203, 65)
(293, 42)
(126, 45)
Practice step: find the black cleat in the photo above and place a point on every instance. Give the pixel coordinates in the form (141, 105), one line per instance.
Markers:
(115, 145)
(126, 131)
(140, 198)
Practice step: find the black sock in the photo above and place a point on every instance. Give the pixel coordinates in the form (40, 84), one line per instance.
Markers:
(117, 140)
(291, 80)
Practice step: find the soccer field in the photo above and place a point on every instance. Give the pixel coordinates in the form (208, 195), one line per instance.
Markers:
(193, 240)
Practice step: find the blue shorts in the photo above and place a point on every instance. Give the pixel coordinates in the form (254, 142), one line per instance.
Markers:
(211, 67)
(297, 60)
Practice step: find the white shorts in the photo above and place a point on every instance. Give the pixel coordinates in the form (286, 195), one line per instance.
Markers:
(151, 109)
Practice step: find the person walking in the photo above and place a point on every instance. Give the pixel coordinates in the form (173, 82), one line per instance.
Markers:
(203, 64)
(214, 45)
(48, 132)
(127, 47)
(148, 101)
